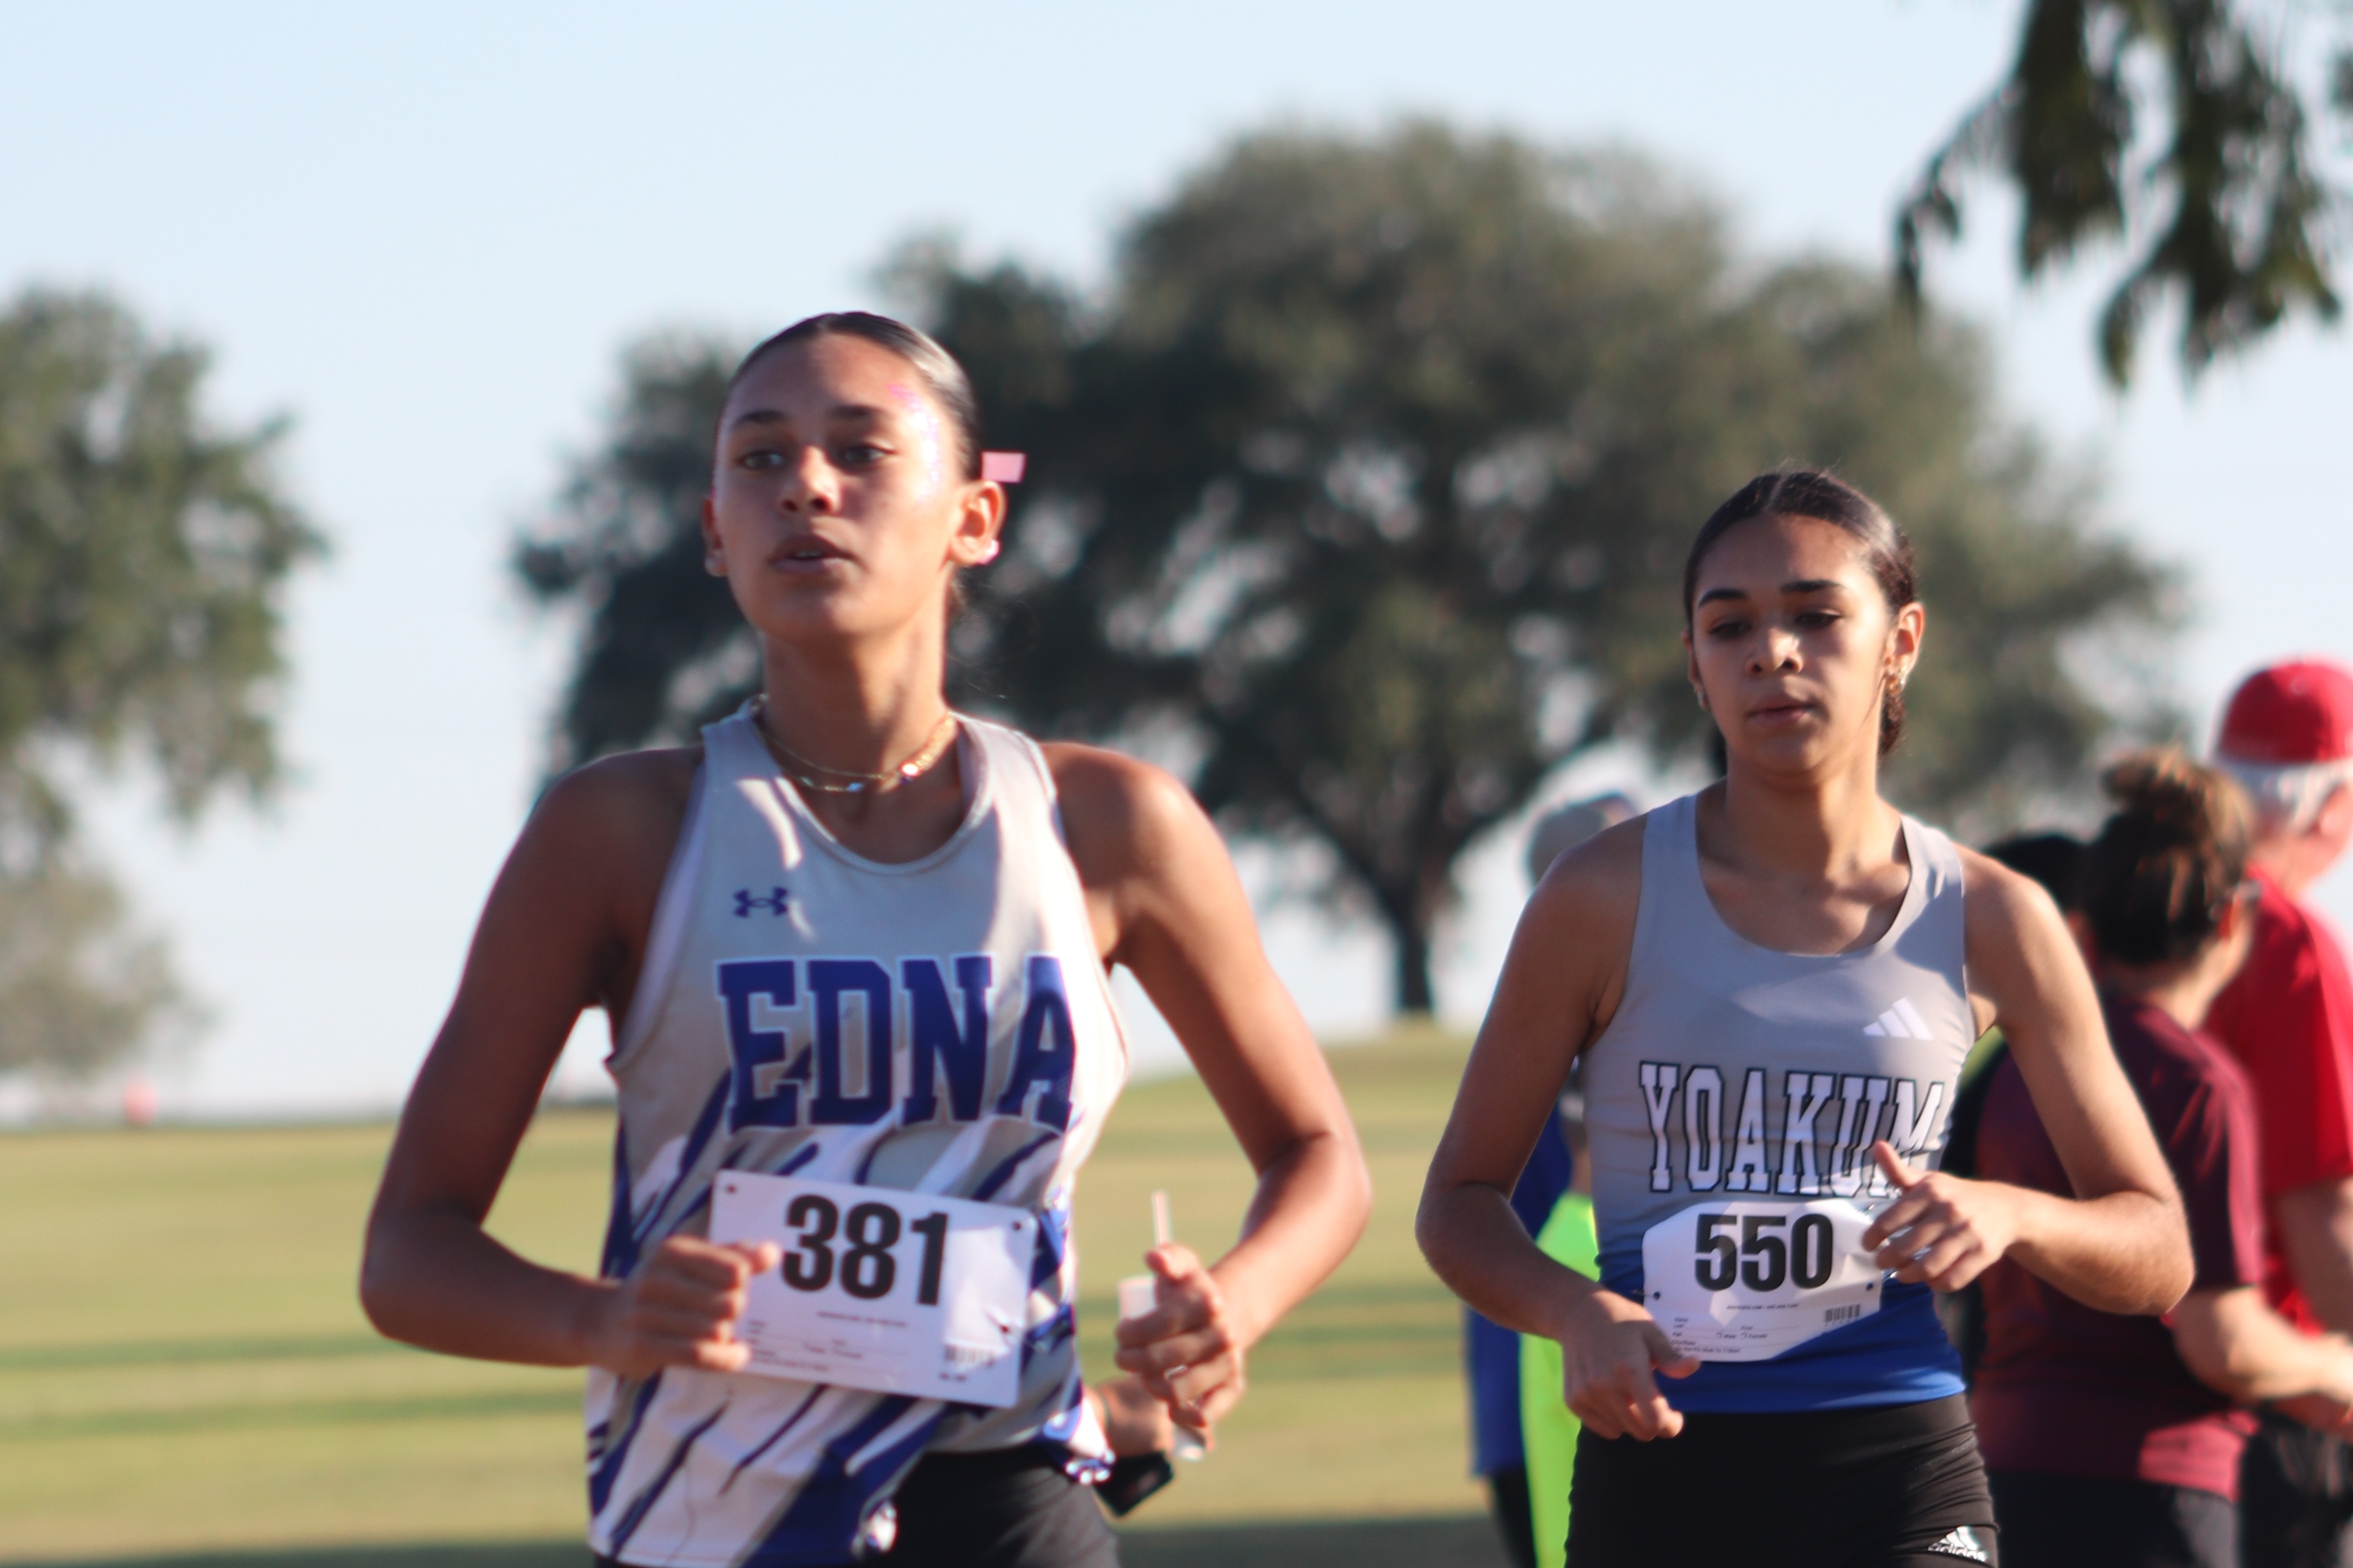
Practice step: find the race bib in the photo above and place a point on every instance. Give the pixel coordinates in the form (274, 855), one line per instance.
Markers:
(1743, 1281)
(894, 1292)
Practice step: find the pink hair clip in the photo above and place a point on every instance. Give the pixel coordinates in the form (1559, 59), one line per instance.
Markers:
(1003, 468)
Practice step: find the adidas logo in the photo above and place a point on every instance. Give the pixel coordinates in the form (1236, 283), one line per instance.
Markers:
(1901, 1022)
(1961, 1542)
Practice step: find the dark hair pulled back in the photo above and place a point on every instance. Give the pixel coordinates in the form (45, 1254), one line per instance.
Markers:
(1825, 497)
(2167, 865)
(942, 376)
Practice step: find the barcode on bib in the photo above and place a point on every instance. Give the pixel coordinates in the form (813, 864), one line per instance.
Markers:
(962, 1356)
(1845, 1314)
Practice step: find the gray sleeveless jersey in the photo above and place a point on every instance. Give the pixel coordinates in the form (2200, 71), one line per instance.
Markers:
(1731, 1105)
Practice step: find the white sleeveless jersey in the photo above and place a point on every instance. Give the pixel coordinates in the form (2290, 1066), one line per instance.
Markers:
(944, 1024)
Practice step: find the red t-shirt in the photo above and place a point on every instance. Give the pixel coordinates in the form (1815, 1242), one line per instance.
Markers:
(2066, 1390)
(2288, 1017)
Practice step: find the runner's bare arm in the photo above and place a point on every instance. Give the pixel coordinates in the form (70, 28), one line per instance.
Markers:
(2120, 1244)
(564, 930)
(2316, 1230)
(1167, 904)
(1560, 986)
(2235, 1344)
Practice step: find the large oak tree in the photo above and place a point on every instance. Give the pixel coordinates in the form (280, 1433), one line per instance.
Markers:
(1362, 489)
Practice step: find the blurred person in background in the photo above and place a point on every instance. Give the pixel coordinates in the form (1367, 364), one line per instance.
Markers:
(1549, 1427)
(2114, 1442)
(1491, 1353)
(2053, 860)
(2287, 739)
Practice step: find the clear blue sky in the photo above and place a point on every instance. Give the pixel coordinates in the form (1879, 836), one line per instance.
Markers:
(424, 230)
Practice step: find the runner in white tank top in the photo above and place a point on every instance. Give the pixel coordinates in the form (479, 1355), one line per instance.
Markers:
(857, 947)
(1772, 984)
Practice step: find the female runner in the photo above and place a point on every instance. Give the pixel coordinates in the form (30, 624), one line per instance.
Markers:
(1774, 982)
(859, 941)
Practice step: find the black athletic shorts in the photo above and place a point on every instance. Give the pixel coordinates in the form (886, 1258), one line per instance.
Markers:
(2295, 1497)
(1891, 1486)
(2071, 1521)
(1010, 1508)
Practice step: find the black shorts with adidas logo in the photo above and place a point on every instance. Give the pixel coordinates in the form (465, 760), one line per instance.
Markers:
(1894, 1486)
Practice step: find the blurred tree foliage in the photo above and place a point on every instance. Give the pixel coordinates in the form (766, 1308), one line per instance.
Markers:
(2172, 126)
(80, 990)
(663, 651)
(142, 551)
(1363, 487)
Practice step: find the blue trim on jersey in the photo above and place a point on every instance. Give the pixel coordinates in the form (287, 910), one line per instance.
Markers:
(619, 1250)
(701, 1201)
(1064, 1423)
(1898, 1355)
(622, 1260)
(801, 1156)
(646, 1499)
(705, 1126)
(1049, 1335)
(771, 1440)
(996, 1179)
(609, 1467)
(1053, 1242)
(824, 1523)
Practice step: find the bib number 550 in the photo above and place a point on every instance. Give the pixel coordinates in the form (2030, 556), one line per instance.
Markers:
(1764, 1256)
(867, 1266)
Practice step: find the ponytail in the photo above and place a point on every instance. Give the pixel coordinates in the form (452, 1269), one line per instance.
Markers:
(2166, 866)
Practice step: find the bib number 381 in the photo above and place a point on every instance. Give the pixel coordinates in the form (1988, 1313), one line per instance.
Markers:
(1743, 1281)
(894, 1292)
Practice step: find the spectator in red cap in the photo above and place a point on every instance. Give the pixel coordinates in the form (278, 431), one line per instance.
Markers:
(2287, 738)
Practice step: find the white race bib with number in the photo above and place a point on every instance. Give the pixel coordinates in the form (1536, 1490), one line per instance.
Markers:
(1743, 1281)
(895, 1291)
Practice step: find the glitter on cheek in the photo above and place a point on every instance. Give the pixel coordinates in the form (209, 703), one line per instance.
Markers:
(927, 422)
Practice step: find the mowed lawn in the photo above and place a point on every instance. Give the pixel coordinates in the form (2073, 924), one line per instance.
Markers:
(184, 1368)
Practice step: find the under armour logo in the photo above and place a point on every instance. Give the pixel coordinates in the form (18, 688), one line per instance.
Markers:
(745, 903)
(1901, 1022)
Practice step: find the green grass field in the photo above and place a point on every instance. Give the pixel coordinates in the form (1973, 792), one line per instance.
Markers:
(185, 1373)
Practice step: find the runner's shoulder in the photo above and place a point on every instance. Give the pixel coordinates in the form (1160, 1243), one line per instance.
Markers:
(1997, 901)
(1120, 814)
(2012, 933)
(1593, 886)
(627, 805)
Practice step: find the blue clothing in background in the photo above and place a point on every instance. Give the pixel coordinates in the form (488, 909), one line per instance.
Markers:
(1491, 1354)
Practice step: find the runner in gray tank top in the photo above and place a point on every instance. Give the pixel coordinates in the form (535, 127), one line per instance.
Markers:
(1762, 1078)
(1772, 984)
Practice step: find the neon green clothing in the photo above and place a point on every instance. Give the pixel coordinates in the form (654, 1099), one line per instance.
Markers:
(1546, 1428)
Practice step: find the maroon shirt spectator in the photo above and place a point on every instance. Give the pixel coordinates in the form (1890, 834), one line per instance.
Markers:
(2064, 1390)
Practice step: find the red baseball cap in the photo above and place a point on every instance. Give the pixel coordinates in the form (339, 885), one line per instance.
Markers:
(2292, 713)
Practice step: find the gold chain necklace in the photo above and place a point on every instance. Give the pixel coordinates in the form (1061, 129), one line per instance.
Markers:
(800, 769)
